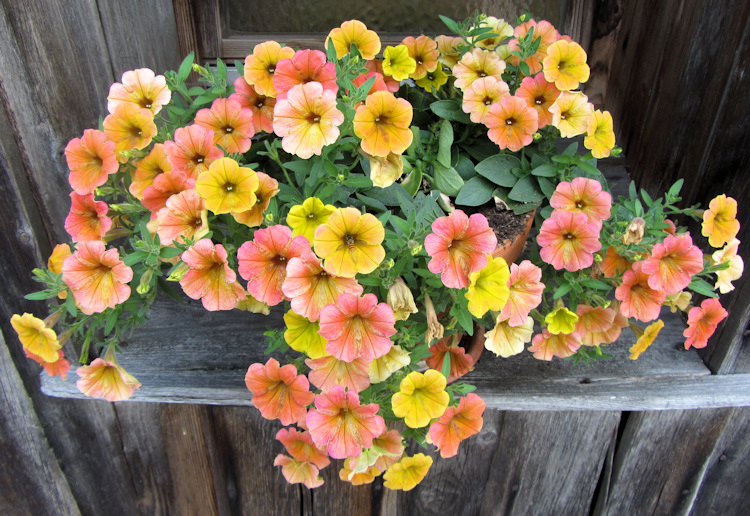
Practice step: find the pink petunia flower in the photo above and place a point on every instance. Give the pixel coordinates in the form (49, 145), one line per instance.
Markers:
(598, 325)
(457, 423)
(300, 446)
(210, 279)
(459, 245)
(279, 392)
(327, 372)
(638, 299)
(87, 219)
(539, 94)
(192, 150)
(231, 123)
(183, 217)
(583, 195)
(342, 425)
(461, 362)
(164, 186)
(526, 291)
(547, 345)
(512, 123)
(568, 240)
(672, 265)
(261, 105)
(91, 158)
(303, 67)
(357, 327)
(702, 322)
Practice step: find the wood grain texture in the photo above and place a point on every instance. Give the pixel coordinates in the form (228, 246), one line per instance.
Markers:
(661, 460)
(601, 49)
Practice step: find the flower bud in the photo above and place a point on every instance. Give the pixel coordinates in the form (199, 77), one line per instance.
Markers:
(435, 330)
(145, 284)
(269, 217)
(401, 300)
(634, 231)
(537, 136)
(415, 247)
(387, 264)
(179, 272)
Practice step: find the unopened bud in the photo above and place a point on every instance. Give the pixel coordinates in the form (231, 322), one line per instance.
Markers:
(634, 231)
(179, 272)
(145, 284)
(269, 217)
(401, 300)
(340, 178)
(200, 70)
(387, 264)
(537, 136)
(415, 247)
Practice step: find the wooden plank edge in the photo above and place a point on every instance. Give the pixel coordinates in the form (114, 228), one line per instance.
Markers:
(655, 393)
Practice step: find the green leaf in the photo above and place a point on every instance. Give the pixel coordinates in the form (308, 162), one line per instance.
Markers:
(596, 284)
(444, 144)
(37, 296)
(134, 257)
(674, 190)
(450, 110)
(452, 26)
(561, 291)
(590, 169)
(446, 369)
(186, 67)
(475, 192)
(546, 170)
(498, 169)
(571, 150)
(372, 203)
(702, 287)
(465, 167)
(111, 320)
(169, 252)
(526, 190)
(412, 182)
(547, 187)
(447, 180)
(358, 181)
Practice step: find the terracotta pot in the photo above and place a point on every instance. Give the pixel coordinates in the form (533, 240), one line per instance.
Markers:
(511, 248)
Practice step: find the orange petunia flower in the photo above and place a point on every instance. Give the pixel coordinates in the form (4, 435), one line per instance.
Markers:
(140, 87)
(600, 135)
(303, 67)
(542, 29)
(570, 113)
(525, 293)
(148, 168)
(261, 65)
(461, 363)
(512, 123)
(481, 95)
(506, 340)
(58, 256)
(378, 85)
(448, 47)
(342, 425)
(97, 277)
(638, 299)
(645, 339)
(327, 372)
(261, 105)
(583, 195)
(311, 287)
(231, 124)
(720, 223)
(613, 264)
(209, 278)
(35, 337)
(458, 246)
(357, 327)
(354, 32)
(300, 446)
(268, 187)
(349, 243)
(192, 150)
(163, 187)
(565, 65)
(357, 478)
(456, 424)
(263, 261)
(184, 217)
(382, 123)
(568, 240)
(424, 52)
(299, 472)
(91, 158)
(228, 187)
(130, 127)
(106, 379)
(477, 64)
(539, 94)
(279, 392)
(702, 322)
(87, 219)
(598, 325)
(307, 119)
(547, 345)
(672, 264)
(59, 367)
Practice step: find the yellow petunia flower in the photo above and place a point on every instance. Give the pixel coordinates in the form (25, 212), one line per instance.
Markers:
(421, 398)
(565, 65)
(646, 339)
(350, 242)
(397, 62)
(600, 136)
(561, 320)
(302, 335)
(228, 187)
(354, 32)
(35, 337)
(570, 113)
(433, 80)
(488, 287)
(408, 472)
(382, 368)
(305, 218)
(720, 223)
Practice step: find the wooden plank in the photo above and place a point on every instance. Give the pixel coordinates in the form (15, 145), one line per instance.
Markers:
(155, 29)
(601, 49)
(31, 481)
(208, 27)
(661, 460)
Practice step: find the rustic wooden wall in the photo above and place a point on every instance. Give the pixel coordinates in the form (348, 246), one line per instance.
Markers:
(57, 61)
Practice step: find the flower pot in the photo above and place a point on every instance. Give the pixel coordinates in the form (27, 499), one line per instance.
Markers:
(512, 247)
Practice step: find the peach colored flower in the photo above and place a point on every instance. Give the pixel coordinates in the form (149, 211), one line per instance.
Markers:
(424, 52)
(389, 448)
(458, 246)
(163, 187)
(378, 85)
(279, 392)
(672, 265)
(407, 472)
(97, 277)
(542, 29)
(184, 217)
(512, 123)
(263, 261)
(421, 398)
(231, 123)
(728, 254)
(261, 105)
(448, 47)
(342, 425)
(59, 367)
(192, 150)
(720, 221)
(305, 218)
(303, 67)
(106, 379)
(307, 119)
(91, 158)
(613, 264)
(35, 337)
(382, 123)
(539, 94)
(598, 325)
(506, 340)
(228, 187)
(525, 293)
(565, 65)
(702, 323)
(357, 478)
(310, 287)
(568, 240)
(547, 345)
(209, 278)
(87, 219)
(481, 95)
(327, 372)
(600, 135)
(570, 113)
(357, 327)
(384, 171)
(477, 64)
(300, 446)
(354, 32)
(460, 362)
(148, 168)
(583, 195)
(638, 299)
(299, 472)
(457, 423)
(268, 187)
(129, 127)
(140, 87)
(261, 65)
(349, 242)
